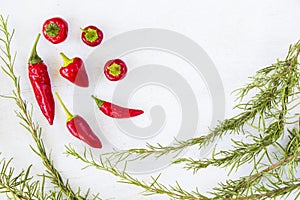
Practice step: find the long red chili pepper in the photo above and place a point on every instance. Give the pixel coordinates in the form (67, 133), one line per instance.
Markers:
(40, 82)
(74, 71)
(115, 111)
(79, 128)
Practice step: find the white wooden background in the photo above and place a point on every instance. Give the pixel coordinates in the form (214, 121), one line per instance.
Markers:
(239, 36)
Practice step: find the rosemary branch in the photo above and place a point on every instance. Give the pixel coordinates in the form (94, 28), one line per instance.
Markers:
(21, 186)
(242, 153)
(274, 193)
(227, 126)
(175, 192)
(10, 183)
(236, 188)
(25, 114)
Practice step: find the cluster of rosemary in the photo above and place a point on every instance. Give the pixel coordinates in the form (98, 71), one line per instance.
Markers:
(268, 121)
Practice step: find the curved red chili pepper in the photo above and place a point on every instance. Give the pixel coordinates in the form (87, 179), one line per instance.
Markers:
(40, 82)
(79, 128)
(74, 71)
(115, 70)
(92, 36)
(55, 30)
(115, 111)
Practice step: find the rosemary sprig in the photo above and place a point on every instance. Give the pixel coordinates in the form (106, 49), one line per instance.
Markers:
(283, 192)
(22, 186)
(246, 185)
(242, 153)
(151, 188)
(16, 186)
(158, 150)
(25, 114)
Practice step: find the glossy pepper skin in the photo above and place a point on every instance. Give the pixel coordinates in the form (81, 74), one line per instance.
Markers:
(41, 84)
(74, 71)
(92, 36)
(115, 70)
(55, 30)
(79, 128)
(116, 111)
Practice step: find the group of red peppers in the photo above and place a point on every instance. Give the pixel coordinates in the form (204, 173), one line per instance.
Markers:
(55, 30)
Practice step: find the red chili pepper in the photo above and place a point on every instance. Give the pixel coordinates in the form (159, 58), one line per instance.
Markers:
(40, 81)
(115, 111)
(55, 30)
(92, 36)
(74, 70)
(79, 128)
(115, 69)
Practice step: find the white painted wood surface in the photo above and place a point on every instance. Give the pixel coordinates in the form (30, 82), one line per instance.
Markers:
(239, 36)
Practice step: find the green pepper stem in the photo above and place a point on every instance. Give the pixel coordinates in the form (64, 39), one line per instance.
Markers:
(69, 115)
(83, 30)
(91, 35)
(52, 29)
(114, 69)
(99, 102)
(34, 58)
(66, 60)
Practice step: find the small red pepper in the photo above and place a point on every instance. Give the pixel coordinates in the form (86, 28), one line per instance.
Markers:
(115, 111)
(115, 70)
(79, 128)
(40, 82)
(55, 30)
(92, 36)
(74, 71)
